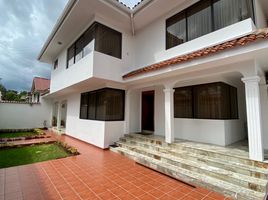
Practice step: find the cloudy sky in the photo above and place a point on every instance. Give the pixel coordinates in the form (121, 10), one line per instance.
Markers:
(24, 27)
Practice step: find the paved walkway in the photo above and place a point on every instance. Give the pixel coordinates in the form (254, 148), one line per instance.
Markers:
(95, 174)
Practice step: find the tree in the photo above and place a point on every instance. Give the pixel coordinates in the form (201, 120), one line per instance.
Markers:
(11, 96)
(3, 90)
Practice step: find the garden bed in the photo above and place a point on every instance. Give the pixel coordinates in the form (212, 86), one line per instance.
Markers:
(22, 135)
(21, 155)
(17, 134)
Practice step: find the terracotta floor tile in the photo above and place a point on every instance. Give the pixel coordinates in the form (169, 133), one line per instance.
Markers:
(107, 195)
(147, 188)
(196, 195)
(117, 191)
(93, 175)
(147, 197)
(176, 194)
(156, 193)
(137, 192)
(167, 197)
(216, 196)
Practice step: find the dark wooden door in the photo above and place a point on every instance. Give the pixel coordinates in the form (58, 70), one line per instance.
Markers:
(148, 111)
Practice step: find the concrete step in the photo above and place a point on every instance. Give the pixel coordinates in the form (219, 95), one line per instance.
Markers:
(199, 167)
(192, 177)
(213, 151)
(228, 165)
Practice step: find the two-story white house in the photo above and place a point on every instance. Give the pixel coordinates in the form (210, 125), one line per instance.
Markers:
(193, 70)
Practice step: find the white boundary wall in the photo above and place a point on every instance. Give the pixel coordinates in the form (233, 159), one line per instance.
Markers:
(25, 116)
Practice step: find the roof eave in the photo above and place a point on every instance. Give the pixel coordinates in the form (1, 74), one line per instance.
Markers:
(57, 26)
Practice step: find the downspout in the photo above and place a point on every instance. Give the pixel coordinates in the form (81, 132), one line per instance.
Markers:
(132, 23)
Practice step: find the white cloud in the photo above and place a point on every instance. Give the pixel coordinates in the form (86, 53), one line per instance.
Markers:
(24, 29)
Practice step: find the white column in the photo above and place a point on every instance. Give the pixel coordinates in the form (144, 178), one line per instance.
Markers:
(169, 115)
(256, 151)
(59, 116)
(127, 112)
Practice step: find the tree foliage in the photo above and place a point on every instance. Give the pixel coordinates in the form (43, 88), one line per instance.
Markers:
(12, 95)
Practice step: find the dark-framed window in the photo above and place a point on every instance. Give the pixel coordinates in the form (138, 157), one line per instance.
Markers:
(106, 104)
(55, 66)
(205, 17)
(97, 37)
(183, 102)
(206, 101)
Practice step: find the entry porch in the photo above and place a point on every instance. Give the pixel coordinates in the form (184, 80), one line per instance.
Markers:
(220, 106)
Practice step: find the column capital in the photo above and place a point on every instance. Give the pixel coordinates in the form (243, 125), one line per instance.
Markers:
(169, 90)
(251, 79)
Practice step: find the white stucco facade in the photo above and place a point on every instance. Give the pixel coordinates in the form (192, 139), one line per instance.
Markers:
(146, 45)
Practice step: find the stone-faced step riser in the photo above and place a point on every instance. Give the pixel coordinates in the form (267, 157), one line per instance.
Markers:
(182, 177)
(223, 177)
(199, 151)
(247, 172)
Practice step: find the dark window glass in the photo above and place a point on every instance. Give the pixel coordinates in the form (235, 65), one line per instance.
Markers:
(89, 41)
(212, 101)
(115, 105)
(79, 45)
(234, 103)
(199, 19)
(84, 106)
(70, 56)
(176, 30)
(183, 107)
(105, 105)
(247, 9)
(207, 101)
(56, 64)
(92, 105)
(101, 102)
(204, 17)
(226, 12)
(108, 41)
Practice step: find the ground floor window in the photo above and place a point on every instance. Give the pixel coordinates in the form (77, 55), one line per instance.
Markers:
(106, 104)
(206, 101)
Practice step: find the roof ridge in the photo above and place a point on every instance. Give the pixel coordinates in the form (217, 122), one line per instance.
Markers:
(41, 78)
(239, 41)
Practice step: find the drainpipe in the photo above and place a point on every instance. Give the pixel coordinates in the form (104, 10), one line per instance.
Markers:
(132, 23)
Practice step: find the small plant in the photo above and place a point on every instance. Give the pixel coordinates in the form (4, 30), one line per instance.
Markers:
(68, 148)
(39, 131)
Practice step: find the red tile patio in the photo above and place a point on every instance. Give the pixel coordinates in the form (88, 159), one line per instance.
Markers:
(95, 174)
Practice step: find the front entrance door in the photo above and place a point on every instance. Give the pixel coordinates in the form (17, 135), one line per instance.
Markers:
(148, 111)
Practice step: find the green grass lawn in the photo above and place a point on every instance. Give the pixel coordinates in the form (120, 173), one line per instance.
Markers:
(17, 134)
(30, 154)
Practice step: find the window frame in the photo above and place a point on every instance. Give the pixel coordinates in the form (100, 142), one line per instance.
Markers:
(93, 27)
(232, 104)
(213, 29)
(56, 64)
(103, 91)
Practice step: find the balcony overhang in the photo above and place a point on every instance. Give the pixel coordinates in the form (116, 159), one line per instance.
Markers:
(79, 14)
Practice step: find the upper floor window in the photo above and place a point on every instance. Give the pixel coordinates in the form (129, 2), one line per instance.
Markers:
(56, 64)
(97, 37)
(204, 17)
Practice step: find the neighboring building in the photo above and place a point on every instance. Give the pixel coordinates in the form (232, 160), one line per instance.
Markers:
(40, 86)
(183, 69)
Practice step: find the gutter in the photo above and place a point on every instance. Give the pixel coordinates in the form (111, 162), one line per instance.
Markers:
(57, 26)
(132, 24)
